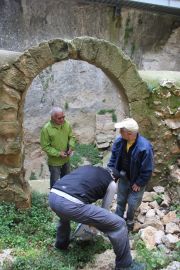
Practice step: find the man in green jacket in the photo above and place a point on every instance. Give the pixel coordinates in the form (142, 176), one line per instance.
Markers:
(58, 142)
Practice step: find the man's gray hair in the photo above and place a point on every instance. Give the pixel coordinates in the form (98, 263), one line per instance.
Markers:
(55, 110)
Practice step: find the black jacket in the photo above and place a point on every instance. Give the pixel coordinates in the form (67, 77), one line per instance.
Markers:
(87, 183)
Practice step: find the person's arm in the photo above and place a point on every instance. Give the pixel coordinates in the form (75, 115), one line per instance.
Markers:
(147, 164)
(113, 157)
(109, 196)
(45, 144)
(71, 141)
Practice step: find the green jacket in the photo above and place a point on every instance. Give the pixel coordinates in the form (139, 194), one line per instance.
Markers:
(54, 139)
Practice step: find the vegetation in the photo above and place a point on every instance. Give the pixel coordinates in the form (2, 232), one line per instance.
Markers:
(31, 234)
(33, 176)
(66, 106)
(154, 259)
(112, 111)
(158, 198)
(86, 151)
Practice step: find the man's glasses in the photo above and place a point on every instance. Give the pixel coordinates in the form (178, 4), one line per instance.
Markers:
(62, 117)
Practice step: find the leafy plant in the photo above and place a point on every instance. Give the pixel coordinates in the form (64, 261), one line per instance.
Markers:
(154, 259)
(158, 198)
(176, 207)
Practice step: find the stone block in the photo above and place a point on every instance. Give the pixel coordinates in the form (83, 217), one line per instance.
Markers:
(86, 48)
(59, 49)
(102, 54)
(42, 54)
(9, 129)
(11, 160)
(140, 111)
(14, 78)
(135, 89)
(27, 64)
(12, 148)
(8, 112)
(112, 60)
(8, 95)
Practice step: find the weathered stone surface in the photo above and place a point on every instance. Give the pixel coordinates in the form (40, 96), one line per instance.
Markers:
(8, 113)
(144, 206)
(9, 129)
(134, 86)
(172, 228)
(149, 196)
(8, 95)
(159, 189)
(14, 78)
(112, 59)
(42, 54)
(104, 130)
(12, 147)
(151, 213)
(59, 49)
(173, 123)
(170, 240)
(27, 64)
(11, 160)
(148, 236)
(87, 48)
(170, 217)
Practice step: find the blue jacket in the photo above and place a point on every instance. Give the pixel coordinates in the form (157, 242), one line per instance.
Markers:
(141, 166)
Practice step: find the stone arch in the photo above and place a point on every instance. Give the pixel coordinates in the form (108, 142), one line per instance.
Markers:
(15, 78)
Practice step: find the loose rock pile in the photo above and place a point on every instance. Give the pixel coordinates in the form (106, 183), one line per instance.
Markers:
(157, 225)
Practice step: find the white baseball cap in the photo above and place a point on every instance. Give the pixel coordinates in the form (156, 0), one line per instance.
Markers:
(129, 124)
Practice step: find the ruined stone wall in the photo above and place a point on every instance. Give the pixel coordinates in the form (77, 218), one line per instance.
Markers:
(15, 79)
(164, 115)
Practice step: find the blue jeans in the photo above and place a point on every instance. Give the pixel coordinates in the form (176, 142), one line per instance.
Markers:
(126, 195)
(56, 172)
(110, 224)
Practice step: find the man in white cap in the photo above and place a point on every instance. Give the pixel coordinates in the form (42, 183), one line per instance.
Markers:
(132, 155)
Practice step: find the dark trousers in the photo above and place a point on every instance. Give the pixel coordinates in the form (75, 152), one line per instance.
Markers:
(110, 224)
(126, 195)
(56, 172)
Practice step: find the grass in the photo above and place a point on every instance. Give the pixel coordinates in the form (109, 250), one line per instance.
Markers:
(31, 233)
(87, 151)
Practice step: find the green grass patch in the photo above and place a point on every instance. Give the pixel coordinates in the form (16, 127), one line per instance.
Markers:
(87, 151)
(31, 234)
(112, 111)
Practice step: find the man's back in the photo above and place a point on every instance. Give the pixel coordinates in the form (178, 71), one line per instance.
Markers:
(87, 183)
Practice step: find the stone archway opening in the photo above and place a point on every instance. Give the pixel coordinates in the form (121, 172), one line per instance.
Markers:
(15, 79)
(82, 91)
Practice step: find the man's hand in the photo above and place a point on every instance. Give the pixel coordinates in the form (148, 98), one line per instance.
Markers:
(136, 188)
(69, 152)
(63, 154)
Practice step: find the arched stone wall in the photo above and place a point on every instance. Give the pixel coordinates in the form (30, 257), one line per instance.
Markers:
(15, 79)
